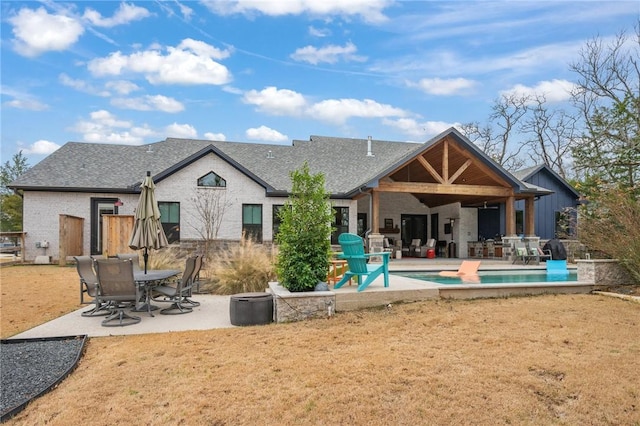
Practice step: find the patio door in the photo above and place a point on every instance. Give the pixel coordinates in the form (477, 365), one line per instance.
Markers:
(99, 207)
(413, 227)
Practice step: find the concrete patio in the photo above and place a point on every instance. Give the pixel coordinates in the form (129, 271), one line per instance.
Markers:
(214, 310)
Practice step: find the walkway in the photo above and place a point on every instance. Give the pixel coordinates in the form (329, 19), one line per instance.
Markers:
(214, 310)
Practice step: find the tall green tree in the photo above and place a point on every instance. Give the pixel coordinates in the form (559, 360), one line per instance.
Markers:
(304, 235)
(10, 202)
(608, 97)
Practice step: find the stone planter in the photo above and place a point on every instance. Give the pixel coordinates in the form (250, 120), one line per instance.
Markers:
(298, 306)
(605, 272)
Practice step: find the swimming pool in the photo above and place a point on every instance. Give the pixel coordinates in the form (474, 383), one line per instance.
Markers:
(494, 277)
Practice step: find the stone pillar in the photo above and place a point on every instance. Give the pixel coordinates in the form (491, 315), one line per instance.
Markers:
(508, 244)
(376, 245)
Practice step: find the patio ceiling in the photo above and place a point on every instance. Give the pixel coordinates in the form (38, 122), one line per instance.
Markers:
(445, 173)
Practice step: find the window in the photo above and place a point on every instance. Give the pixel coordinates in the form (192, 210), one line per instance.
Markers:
(276, 220)
(519, 222)
(252, 221)
(170, 219)
(211, 179)
(341, 223)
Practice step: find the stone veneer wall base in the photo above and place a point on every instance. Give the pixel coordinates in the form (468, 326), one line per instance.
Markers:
(297, 306)
(603, 272)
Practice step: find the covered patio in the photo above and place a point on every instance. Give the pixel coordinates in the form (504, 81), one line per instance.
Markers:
(450, 177)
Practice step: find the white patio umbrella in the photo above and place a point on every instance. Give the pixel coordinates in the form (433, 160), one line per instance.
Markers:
(147, 229)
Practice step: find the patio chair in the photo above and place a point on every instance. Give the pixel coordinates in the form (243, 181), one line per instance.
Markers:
(522, 253)
(467, 268)
(89, 286)
(353, 253)
(117, 287)
(135, 259)
(414, 248)
(175, 294)
(192, 283)
(196, 275)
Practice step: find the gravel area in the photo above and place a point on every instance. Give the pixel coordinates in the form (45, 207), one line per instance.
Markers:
(31, 367)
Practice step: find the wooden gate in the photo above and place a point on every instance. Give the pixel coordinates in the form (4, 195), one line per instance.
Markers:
(116, 232)
(70, 237)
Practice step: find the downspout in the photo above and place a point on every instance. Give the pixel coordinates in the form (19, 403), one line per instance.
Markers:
(368, 231)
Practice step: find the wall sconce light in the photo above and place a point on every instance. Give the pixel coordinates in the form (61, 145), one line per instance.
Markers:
(118, 203)
(452, 221)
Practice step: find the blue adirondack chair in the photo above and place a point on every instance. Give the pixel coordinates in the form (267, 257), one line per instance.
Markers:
(364, 273)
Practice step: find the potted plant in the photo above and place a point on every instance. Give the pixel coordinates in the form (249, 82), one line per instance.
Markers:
(304, 235)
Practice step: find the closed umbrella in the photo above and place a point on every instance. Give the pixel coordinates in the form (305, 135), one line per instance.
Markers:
(147, 229)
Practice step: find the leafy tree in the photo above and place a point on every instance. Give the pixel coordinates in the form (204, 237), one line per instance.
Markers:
(608, 97)
(304, 234)
(10, 202)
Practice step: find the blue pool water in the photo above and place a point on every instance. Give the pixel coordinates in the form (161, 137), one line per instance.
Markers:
(491, 277)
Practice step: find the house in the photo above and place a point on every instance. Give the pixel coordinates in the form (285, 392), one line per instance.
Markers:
(555, 215)
(402, 191)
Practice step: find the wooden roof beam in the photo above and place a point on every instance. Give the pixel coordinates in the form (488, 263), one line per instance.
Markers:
(430, 169)
(449, 189)
(458, 172)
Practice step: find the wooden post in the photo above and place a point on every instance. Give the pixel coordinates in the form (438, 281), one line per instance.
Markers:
(510, 219)
(529, 216)
(375, 214)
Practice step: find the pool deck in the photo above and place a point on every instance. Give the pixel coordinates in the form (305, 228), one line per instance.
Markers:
(403, 289)
(214, 310)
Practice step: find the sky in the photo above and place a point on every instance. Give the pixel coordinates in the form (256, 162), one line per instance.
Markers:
(263, 71)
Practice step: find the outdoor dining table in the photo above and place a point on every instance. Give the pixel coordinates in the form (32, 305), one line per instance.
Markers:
(145, 283)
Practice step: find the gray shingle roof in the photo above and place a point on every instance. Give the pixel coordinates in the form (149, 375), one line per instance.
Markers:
(119, 168)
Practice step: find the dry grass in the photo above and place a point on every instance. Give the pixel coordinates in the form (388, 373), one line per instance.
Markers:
(244, 268)
(548, 360)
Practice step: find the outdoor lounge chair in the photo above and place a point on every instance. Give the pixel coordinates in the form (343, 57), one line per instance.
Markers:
(117, 287)
(353, 252)
(522, 253)
(176, 294)
(89, 286)
(467, 268)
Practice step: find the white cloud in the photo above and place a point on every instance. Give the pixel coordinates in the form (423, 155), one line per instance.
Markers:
(328, 54)
(215, 136)
(36, 32)
(41, 147)
(264, 133)
(104, 127)
(126, 13)
(319, 32)
(553, 91)
(339, 110)
(369, 10)
(149, 103)
(418, 131)
(122, 87)
(28, 104)
(82, 86)
(276, 101)
(442, 87)
(191, 62)
(185, 131)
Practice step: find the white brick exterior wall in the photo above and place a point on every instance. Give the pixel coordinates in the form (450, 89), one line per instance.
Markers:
(42, 209)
